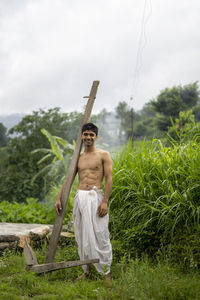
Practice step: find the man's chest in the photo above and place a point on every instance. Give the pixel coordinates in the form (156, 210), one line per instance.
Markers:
(90, 162)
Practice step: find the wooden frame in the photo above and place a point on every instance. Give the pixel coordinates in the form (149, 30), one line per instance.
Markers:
(31, 260)
(33, 266)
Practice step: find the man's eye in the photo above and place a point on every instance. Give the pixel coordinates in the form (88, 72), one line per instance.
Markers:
(89, 134)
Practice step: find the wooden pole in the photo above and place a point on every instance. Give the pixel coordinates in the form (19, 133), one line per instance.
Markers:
(132, 124)
(70, 178)
(49, 267)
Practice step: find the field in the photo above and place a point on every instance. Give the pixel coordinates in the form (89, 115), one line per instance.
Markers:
(154, 227)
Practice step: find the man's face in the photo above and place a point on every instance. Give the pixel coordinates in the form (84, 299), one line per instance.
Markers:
(89, 137)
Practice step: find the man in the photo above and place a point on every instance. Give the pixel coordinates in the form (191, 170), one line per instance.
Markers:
(90, 211)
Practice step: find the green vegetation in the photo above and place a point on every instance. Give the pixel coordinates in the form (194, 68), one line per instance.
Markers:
(136, 279)
(171, 101)
(155, 202)
(154, 205)
(59, 154)
(3, 137)
(35, 211)
(184, 128)
(154, 119)
(30, 212)
(20, 167)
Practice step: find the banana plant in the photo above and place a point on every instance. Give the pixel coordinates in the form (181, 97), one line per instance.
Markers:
(60, 154)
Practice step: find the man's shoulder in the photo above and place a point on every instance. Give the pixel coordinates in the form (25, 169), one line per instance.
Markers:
(103, 153)
(98, 153)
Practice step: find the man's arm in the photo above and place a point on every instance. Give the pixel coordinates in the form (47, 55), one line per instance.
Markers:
(107, 167)
(58, 205)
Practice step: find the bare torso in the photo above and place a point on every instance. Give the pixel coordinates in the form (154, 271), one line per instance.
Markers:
(93, 165)
(91, 169)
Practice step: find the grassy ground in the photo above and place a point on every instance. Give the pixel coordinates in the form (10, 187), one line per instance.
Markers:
(137, 279)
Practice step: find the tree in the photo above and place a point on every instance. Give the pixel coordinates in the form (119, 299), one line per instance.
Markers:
(60, 154)
(184, 128)
(102, 121)
(127, 117)
(20, 166)
(3, 136)
(196, 112)
(145, 125)
(173, 100)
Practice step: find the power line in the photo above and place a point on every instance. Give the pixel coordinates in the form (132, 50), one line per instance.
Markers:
(141, 45)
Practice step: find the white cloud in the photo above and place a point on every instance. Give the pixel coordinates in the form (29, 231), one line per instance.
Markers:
(51, 51)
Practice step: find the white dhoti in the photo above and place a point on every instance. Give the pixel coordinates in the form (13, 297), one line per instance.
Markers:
(91, 231)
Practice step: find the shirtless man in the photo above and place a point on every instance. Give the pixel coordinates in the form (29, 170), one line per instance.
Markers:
(90, 211)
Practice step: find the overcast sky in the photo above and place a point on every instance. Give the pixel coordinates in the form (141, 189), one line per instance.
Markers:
(51, 51)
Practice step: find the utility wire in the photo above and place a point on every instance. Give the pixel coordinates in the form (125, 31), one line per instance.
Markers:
(141, 45)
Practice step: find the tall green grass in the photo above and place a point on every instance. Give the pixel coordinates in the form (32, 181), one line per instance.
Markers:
(155, 196)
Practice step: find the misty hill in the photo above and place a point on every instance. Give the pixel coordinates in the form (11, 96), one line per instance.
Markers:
(11, 120)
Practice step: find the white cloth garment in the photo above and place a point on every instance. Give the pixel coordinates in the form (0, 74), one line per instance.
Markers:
(91, 231)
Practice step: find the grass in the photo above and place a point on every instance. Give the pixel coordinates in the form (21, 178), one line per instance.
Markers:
(135, 279)
(156, 195)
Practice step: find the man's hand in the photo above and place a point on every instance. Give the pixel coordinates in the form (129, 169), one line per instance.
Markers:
(58, 207)
(103, 209)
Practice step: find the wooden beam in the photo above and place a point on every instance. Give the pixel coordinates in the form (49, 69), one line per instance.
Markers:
(8, 245)
(8, 238)
(29, 255)
(70, 178)
(49, 267)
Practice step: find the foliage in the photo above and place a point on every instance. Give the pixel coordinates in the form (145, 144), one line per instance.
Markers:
(60, 154)
(104, 126)
(144, 126)
(3, 136)
(126, 116)
(173, 100)
(184, 248)
(184, 127)
(137, 124)
(29, 127)
(32, 211)
(155, 194)
(196, 110)
(35, 211)
(3, 157)
(19, 168)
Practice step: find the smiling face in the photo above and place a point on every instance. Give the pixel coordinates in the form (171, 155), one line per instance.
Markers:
(88, 138)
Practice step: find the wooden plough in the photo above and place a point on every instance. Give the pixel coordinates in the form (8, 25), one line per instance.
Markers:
(30, 258)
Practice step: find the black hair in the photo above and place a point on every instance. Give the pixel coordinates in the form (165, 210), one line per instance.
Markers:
(90, 126)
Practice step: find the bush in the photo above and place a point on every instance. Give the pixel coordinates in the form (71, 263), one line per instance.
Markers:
(30, 212)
